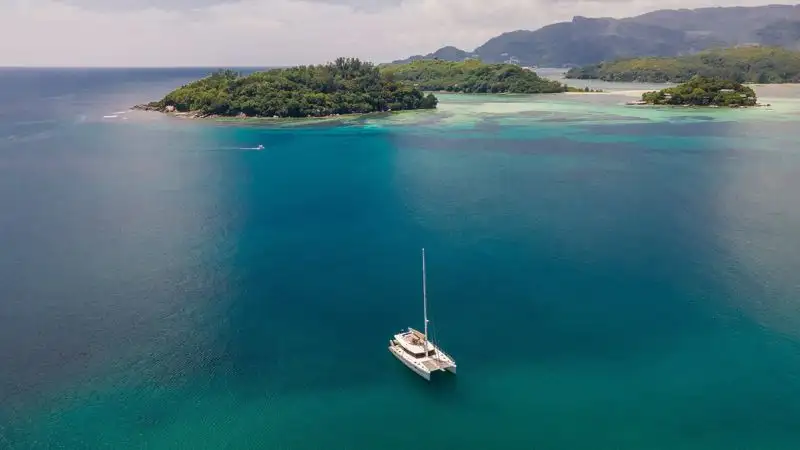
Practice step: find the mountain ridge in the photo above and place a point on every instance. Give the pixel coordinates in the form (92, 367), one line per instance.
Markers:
(664, 33)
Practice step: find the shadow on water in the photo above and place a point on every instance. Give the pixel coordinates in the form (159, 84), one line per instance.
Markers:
(443, 388)
(605, 283)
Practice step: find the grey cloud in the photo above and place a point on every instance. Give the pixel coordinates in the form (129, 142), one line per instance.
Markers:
(133, 5)
(183, 5)
(362, 5)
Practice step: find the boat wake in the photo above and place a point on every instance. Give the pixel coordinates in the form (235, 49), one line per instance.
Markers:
(115, 115)
(231, 149)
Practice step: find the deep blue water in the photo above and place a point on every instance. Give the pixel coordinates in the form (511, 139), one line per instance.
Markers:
(625, 285)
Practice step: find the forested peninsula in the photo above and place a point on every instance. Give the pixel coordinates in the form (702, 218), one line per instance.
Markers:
(752, 64)
(703, 91)
(345, 86)
(471, 77)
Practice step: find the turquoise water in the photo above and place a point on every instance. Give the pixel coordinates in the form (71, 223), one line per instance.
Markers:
(627, 283)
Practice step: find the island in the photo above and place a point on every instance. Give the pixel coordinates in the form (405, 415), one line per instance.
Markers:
(703, 91)
(470, 77)
(345, 86)
(748, 64)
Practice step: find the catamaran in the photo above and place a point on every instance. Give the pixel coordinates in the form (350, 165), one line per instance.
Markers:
(415, 349)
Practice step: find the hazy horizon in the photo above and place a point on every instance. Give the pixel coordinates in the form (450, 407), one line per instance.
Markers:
(258, 33)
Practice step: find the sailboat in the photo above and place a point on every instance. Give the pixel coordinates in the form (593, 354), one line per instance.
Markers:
(416, 350)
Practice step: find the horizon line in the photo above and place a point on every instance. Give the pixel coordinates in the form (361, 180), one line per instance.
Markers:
(220, 66)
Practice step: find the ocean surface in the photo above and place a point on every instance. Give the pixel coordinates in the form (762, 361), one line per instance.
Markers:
(607, 277)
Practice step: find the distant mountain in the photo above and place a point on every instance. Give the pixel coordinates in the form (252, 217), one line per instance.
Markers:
(448, 53)
(583, 40)
(783, 33)
(659, 33)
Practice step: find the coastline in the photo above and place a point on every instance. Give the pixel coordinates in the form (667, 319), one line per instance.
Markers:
(455, 107)
(635, 95)
(197, 115)
(652, 105)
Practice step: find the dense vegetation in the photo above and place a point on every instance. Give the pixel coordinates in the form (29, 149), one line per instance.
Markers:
(342, 87)
(703, 91)
(470, 76)
(742, 64)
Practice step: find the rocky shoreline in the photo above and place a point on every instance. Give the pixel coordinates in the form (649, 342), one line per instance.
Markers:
(688, 105)
(171, 111)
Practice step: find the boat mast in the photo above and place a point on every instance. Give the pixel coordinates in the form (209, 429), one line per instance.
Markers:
(424, 301)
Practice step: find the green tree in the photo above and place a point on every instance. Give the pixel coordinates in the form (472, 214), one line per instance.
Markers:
(704, 91)
(471, 76)
(344, 86)
(741, 64)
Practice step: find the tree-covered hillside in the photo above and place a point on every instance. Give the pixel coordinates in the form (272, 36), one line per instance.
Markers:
(666, 32)
(470, 76)
(743, 64)
(343, 87)
(448, 53)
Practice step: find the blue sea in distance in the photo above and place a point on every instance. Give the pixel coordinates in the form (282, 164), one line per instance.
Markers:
(604, 282)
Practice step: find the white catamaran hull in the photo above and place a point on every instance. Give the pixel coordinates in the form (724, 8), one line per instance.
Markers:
(418, 370)
(423, 365)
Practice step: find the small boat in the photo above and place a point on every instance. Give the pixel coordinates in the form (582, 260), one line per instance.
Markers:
(416, 350)
(260, 147)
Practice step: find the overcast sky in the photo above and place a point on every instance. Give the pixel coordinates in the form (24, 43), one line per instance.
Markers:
(274, 32)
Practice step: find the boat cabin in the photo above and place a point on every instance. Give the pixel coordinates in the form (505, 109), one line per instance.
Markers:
(412, 342)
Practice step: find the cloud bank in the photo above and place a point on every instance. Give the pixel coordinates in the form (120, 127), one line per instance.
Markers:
(274, 32)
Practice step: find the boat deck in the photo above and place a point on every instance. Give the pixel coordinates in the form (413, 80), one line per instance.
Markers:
(432, 364)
